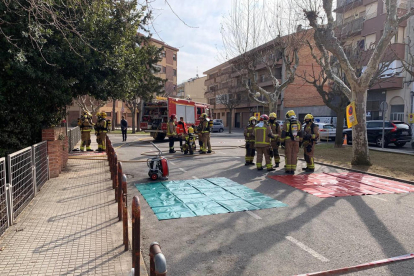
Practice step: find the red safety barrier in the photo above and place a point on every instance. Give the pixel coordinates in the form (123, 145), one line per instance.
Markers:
(361, 267)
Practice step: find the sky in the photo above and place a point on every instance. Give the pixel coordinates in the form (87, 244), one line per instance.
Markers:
(198, 47)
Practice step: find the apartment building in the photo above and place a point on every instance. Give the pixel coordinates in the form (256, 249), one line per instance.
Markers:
(360, 24)
(193, 89)
(224, 79)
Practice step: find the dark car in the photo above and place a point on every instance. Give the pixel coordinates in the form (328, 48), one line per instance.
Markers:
(398, 133)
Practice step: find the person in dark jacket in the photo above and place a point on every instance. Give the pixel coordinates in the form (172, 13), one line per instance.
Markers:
(124, 127)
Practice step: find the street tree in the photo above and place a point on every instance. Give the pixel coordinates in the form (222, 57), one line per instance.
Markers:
(257, 38)
(231, 98)
(320, 17)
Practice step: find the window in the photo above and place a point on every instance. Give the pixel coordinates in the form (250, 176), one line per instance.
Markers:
(328, 127)
(174, 57)
(175, 72)
(164, 69)
(163, 54)
(263, 78)
(212, 101)
(109, 114)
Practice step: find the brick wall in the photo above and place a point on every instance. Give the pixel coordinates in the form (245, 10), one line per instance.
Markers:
(57, 149)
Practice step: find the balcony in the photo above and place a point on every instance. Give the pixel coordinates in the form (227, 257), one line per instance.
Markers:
(347, 5)
(351, 28)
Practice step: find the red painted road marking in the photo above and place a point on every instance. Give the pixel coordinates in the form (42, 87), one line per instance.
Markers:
(343, 184)
(361, 266)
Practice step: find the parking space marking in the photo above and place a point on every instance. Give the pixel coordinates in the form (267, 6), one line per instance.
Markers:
(307, 249)
(172, 163)
(377, 197)
(253, 215)
(195, 177)
(181, 169)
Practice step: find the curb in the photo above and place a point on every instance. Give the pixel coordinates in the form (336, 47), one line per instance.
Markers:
(387, 151)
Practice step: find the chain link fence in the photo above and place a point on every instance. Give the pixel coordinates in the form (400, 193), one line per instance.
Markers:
(3, 204)
(20, 169)
(74, 135)
(41, 163)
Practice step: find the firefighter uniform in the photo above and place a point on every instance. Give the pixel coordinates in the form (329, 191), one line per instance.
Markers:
(171, 132)
(262, 136)
(292, 139)
(205, 134)
(101, 128)
(200, 136)
(85, 124)
(310, 136)
(189, 145)
(249, 138)
(274, 143)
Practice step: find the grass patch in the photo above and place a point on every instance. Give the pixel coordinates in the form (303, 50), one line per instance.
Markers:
(118, 131)
(384, 163)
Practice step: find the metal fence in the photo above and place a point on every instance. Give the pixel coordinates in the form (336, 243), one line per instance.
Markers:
(21, 179)
(41, 163)
(74, 135)
(3, 204)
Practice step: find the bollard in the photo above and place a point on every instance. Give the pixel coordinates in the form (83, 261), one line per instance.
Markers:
(115, 179)
(158, 264)
(136, 235)
(118, 181)
(120, 197)
(125, 211)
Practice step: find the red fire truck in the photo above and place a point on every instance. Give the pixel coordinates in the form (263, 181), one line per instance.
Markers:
(155, 114)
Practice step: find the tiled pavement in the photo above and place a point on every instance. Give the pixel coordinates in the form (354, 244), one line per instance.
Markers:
(69, 228)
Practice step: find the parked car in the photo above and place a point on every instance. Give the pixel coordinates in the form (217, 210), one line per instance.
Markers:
(398, 133)
(326, 131)
(412, 142)
(217, 126)
(217, 121)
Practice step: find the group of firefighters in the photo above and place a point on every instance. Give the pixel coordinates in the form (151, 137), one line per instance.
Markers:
(101, 128)
(179, 130)
(266, 136)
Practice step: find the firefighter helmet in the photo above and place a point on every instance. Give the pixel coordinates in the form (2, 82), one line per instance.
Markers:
(290, 113)
(190, 130)
(204, 116)
(173, 116)
(252, 119)
(264, 117)
(103, 114)
(309, 117)
(272, 115)
(98, 114)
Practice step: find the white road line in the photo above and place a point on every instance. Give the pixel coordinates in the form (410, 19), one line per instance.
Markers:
(181, 169)
(378, 198)
(307, 249)
(195, 177)
(172, 163)
(253, 215)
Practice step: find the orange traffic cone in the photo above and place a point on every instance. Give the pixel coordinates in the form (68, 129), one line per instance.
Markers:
(345, 141)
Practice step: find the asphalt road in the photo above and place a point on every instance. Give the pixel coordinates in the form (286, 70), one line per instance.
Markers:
(311, 234)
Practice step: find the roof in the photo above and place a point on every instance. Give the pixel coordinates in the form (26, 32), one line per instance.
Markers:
(161, 43)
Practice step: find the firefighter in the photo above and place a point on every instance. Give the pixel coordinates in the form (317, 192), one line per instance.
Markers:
(205, 133)
(310, 136)
(249, 137)
(262, 135)
(189, 145)
(181, 131)
(292, 139)
(171, 132)
(103, 124)
(85, 124)
(275, 142)
(200, 135)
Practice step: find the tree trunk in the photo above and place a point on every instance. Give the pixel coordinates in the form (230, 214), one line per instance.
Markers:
(231, 119)
(272, 107)
(138, 120)
(113, 115)
(359, 132)
(340, 114)
(134, 109)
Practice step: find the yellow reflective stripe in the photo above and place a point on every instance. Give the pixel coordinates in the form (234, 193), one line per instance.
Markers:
(263, 143)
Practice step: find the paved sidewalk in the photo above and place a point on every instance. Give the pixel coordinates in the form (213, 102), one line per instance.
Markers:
(69, 228)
